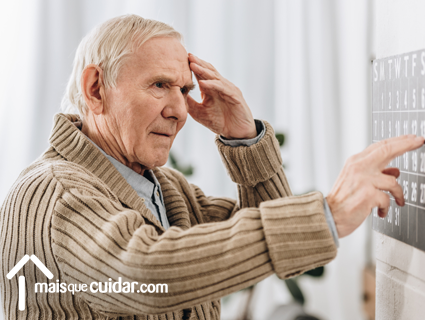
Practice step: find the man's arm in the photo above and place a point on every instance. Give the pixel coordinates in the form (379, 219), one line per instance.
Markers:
(257, 169)
(218, 209)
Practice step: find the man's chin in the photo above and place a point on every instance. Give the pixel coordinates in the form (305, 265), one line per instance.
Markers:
(158, 161)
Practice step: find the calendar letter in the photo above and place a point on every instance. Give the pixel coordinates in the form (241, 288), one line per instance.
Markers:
(413, 64)
(406, 58)
(423, 62)
(397, 65)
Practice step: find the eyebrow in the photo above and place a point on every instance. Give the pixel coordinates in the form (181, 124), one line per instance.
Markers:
(165, 79)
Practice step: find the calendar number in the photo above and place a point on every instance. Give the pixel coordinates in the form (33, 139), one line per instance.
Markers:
(423, 128)
(405, 99)
(414, 99)
(406, 190)
(422, 166)
(390, 214)
(423, 98)
(398, 99)
(405, 162)
(397, 217)
(414, 161)
(422, 197)
(414, 192)
(414, 127)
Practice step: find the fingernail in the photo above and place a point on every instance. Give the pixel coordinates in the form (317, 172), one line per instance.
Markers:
(419, 138)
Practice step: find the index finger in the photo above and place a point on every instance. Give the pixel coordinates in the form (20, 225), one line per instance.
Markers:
(388, 149)
(379, 144)
(202, 63)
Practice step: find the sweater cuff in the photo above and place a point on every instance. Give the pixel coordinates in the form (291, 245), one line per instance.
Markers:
(261, 130)
(297, 234)
(249, 166)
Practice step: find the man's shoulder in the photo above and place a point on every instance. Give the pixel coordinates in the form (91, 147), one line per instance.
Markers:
(57, 172)
(58, 168)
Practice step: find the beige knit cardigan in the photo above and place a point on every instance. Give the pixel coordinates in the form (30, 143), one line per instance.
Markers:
(79, 216)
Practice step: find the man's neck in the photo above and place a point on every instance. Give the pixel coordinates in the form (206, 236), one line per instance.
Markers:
(108, 143)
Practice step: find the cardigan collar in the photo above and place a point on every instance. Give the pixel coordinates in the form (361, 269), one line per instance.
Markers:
(68, 140)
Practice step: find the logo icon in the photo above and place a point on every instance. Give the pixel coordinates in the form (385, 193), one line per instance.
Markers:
(17, 267)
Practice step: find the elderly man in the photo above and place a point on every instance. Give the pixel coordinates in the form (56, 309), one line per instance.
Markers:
(98, 209)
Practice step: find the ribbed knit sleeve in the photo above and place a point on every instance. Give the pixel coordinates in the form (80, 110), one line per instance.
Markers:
(297, 234)
(256, 169)
(250, 165)
(95, 238)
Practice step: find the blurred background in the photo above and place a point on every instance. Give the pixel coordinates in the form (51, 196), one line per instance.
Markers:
(302, 65)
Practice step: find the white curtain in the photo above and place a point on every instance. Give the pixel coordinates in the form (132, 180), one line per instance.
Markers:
(302, 65)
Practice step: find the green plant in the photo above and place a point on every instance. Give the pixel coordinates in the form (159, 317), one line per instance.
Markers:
(281, 138)
(186, 170)
(295, 290)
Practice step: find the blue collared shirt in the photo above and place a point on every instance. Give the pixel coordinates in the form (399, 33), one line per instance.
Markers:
(149, 189)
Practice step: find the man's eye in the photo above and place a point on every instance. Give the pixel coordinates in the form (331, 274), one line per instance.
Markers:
(159, 85)
(183, 90)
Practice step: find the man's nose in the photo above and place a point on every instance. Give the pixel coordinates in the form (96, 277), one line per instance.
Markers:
(176, 107)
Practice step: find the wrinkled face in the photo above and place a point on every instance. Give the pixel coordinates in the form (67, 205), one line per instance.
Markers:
(148, 106)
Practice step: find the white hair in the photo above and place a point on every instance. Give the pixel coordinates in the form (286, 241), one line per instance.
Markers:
(106, 46)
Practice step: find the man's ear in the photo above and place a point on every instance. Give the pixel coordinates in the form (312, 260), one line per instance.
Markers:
(92, 88)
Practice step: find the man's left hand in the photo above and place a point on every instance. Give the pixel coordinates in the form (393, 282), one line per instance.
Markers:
(223, 109)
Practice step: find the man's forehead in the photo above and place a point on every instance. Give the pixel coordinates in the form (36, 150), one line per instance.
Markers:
(163, 57)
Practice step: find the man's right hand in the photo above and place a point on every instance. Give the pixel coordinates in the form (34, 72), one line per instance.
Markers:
(361, 183)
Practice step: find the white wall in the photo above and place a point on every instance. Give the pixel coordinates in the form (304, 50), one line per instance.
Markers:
(400, 278)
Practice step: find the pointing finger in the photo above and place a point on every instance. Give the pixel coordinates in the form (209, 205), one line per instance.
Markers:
(379, 144)
(391, 148)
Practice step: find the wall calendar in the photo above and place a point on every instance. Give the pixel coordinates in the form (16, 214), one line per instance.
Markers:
(398, 109)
